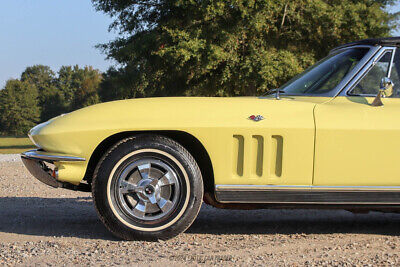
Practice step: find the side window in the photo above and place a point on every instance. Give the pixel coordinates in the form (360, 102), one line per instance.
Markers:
(369, 84)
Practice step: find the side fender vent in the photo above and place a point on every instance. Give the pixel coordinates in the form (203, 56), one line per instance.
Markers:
(257, 157)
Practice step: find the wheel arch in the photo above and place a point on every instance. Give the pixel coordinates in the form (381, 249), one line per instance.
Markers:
(188, 141)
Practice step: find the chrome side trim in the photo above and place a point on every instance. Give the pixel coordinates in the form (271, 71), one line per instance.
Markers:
(234, 187)
(315, 195)
(32, 154)
(301, 187)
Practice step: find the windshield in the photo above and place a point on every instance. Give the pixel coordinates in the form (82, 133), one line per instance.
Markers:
(326, 74)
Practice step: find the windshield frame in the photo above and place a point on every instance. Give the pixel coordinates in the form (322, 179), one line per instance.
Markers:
(346, 91)
(347, 78)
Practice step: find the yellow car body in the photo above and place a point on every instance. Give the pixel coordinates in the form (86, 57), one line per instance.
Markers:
(285, 148)
(221, 125)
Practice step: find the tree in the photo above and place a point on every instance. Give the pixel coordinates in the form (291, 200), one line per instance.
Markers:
(87, 84)
(51, 100)
(41, 95)
(79, 86)
(227, 47)
(19, 110)
(117, 84)
(71, 89)
(67, 83)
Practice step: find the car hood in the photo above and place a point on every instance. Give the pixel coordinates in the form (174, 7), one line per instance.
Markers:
(169, 111)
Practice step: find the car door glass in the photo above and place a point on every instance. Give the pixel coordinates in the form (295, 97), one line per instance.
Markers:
(369, 84)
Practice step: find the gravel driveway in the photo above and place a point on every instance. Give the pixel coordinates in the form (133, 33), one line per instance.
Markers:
(40, 226)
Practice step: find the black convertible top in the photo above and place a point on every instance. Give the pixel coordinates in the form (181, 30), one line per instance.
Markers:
(387, 41)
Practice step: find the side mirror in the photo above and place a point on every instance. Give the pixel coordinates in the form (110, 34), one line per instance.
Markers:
(386, 86)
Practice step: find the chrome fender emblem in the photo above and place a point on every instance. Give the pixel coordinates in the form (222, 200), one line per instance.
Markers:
(256, 118)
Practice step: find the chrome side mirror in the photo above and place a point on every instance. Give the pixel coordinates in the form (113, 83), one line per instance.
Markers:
(386, 86)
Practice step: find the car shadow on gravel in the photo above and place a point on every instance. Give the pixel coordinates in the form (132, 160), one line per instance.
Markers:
(292, 221)
(60, 217)
(76, 217)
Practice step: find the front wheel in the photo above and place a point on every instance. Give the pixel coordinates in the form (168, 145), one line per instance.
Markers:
(147, 187)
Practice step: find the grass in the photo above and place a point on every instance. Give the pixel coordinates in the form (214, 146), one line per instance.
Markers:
(15, 145)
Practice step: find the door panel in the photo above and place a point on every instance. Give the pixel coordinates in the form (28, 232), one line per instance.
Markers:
(278, 150)
(356, 143)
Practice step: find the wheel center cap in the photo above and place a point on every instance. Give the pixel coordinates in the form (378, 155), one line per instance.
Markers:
(149, 190)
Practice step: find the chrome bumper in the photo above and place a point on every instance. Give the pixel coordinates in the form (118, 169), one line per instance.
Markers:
(38, 170)
(33, 154)
(34, 161)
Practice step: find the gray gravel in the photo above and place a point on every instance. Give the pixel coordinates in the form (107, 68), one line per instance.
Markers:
(10, 157)
(44, 226)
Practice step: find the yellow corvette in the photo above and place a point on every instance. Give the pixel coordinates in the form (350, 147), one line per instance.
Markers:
(328, 138)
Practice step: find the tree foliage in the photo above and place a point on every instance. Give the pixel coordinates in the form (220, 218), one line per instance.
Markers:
(19, 107)
(79, 86)
(50, 99)
(40, 94)
(227, 47)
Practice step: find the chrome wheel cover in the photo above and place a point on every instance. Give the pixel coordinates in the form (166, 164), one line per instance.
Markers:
(147, 189)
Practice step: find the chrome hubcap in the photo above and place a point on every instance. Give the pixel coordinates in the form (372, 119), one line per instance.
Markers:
(148, 189)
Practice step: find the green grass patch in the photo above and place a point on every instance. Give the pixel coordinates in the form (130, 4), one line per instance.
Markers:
(15, 145)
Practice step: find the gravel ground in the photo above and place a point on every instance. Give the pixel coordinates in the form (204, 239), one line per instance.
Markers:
(9, 158)
(44, 226)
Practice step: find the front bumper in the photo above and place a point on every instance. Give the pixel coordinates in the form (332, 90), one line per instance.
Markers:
(40, 171)
(34, 155)
(41, 166)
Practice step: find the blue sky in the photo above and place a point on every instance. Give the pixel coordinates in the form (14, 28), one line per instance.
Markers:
(50, 32)
(53, 33)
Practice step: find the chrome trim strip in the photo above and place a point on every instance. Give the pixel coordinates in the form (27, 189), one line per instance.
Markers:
(315, 195)
(32, 154)
(364, 70)
(391, 64)
(232, 187)
(348, 80)
(349, 76)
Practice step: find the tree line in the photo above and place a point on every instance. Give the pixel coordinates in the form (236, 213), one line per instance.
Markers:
(40, 94)
(196, 48)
